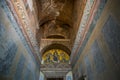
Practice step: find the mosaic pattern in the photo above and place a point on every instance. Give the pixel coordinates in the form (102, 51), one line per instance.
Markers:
(81, 69)
(88, 68)
(82, 25)
(8, 50)
(2, 30)
(95, 19)
(9, 47)
(55, 56)
(26, 22)
(27, 74)
(20, 67)
(97, 58)
(111, 31)
(7, 57)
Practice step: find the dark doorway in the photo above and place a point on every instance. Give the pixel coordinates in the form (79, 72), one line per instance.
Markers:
(54, 78)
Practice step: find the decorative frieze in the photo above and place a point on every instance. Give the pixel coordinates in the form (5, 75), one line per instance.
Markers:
(25, 21)
(83, 24)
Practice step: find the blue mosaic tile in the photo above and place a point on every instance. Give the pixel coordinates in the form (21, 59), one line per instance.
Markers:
(111, 32)
(11, 18)
(97, 57)
(19, 69)
(27, 74)
(2, 30)
(88, 68)
(7, 57)
(8, 48)
(93, 24)
(81, 69)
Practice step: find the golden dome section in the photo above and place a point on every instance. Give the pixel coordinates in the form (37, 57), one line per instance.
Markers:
(55, 56)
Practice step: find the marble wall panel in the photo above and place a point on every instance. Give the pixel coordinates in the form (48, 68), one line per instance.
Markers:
(98, 59)
(111, 32)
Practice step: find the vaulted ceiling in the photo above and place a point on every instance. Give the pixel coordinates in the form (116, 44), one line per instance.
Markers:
(54, 24)
(58, 23)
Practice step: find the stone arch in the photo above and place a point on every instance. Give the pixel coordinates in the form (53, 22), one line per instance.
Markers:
(56, 46)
